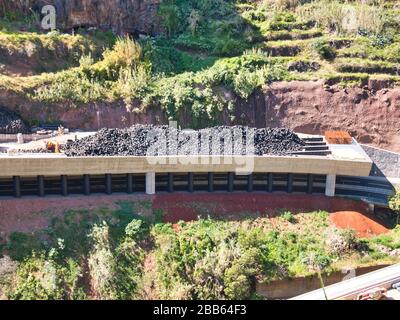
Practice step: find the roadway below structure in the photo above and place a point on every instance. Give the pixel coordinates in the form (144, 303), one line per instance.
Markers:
(349, 289)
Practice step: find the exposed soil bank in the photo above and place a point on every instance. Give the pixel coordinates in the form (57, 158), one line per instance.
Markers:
(180, 206)
(363, 224)
(28, 214)
(289, 288)
(370, 113)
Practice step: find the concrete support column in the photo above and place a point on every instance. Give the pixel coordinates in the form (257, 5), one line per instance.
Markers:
(210, 182)
(250, 182)
(17, 186)
(190, 182)
(330, 185)
(40, 180)
(86, 184)
(270, 182)
(170, 182)
(231, 176)
(64, 185)
(150, 183)
(290, 183)
(108, 184)
(129, 187)
(310, 182)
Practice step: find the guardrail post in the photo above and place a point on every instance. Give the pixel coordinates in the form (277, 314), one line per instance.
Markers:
(330, 185)
(150, 183)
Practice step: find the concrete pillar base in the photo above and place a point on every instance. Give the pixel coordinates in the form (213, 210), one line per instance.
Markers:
(150, 183)
(330, 185)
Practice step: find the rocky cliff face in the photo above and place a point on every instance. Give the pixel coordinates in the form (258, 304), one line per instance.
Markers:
(122, 16)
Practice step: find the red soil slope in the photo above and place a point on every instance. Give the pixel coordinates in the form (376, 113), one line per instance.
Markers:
(364, 224)
(31, 213)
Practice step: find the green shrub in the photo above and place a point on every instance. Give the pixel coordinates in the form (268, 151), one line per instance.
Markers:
(126, 54)
(289, 217)
(394, 203)
(324, 49)
(41, 277)
(131, 83)
(391, 241)
(21, 245)
(135, 229)
(170, 16)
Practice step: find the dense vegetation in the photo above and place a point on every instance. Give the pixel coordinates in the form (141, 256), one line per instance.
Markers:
(207, 48)
(129, 253)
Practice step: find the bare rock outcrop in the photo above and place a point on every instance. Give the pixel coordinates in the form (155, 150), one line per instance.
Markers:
(122, 16)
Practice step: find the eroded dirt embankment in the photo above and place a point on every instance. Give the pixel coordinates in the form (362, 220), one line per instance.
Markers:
(370, 113)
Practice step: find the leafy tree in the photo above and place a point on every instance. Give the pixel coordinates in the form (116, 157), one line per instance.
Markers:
(170, 17)
(194, 20)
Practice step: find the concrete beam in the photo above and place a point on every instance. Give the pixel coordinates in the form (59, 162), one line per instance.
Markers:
(150, 183)
(330, 185)
(51, 165)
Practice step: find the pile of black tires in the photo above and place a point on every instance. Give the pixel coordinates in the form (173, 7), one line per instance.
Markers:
(142, 140)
